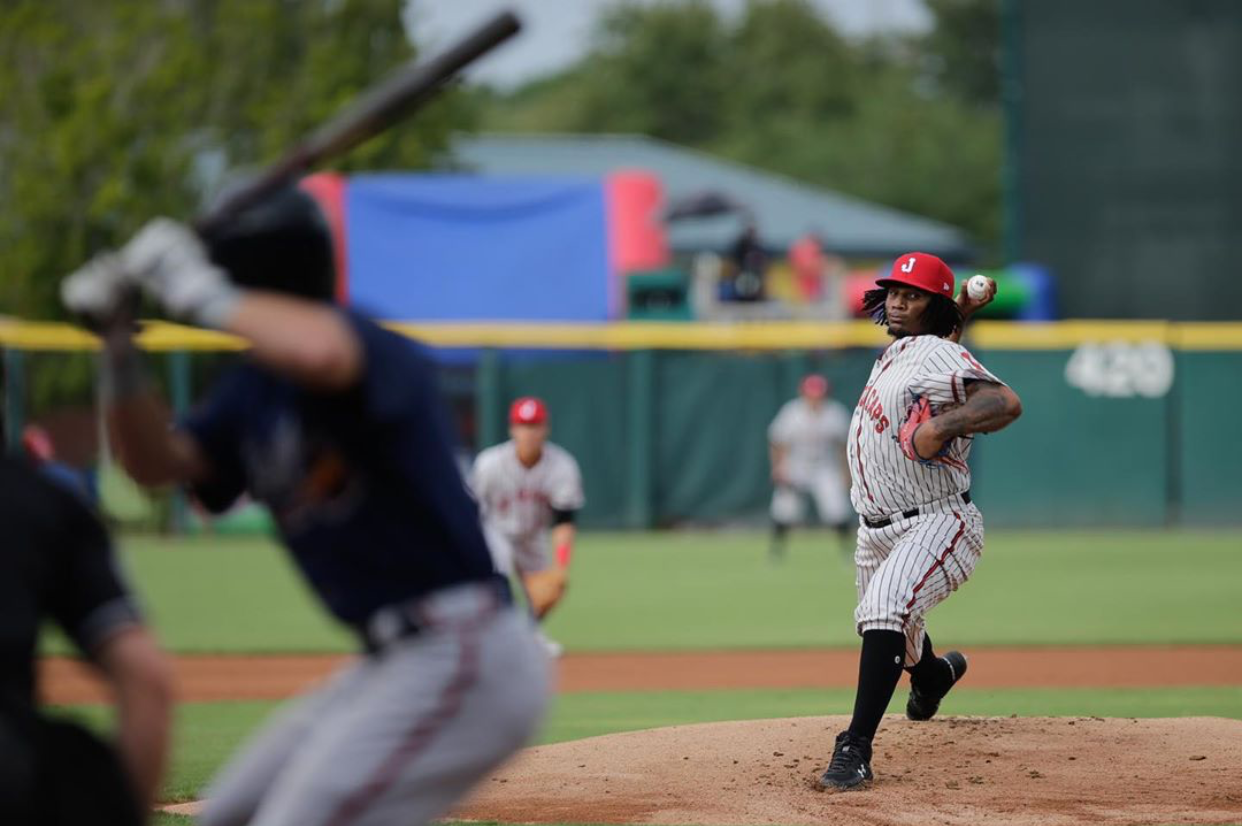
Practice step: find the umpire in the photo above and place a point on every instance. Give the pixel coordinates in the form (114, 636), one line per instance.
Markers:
(56, 563)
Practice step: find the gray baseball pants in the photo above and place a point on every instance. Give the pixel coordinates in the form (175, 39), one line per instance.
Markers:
(399, 736)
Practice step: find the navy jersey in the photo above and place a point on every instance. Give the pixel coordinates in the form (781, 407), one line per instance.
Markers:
(362, 483)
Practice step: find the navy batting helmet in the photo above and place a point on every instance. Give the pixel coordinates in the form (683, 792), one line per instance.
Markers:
(283, 243)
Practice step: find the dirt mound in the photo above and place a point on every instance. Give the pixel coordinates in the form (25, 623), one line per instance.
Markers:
(954, 771)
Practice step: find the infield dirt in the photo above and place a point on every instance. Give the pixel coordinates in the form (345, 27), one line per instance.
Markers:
(1037, 771)
(1014, 771)
(206, 678)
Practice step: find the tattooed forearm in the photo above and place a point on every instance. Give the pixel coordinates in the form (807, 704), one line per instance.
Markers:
(988, 408)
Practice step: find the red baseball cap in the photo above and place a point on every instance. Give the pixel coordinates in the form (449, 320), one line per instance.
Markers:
(919, 269)
(528, 410)
(815, 386)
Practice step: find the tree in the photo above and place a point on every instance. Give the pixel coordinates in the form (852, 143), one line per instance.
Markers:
(895, 121)
(964, 49)
(785, 61)
(658, 70)
(112, 113)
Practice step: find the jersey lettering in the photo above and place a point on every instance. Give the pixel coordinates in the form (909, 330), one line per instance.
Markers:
(870, 403)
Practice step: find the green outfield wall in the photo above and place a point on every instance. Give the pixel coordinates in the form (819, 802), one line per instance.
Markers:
(1206, 454)
(1124, 423)
(1138, 436)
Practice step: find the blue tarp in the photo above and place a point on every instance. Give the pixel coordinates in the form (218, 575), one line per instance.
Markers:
(450, 247)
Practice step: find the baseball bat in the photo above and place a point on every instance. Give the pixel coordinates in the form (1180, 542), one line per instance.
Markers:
(377, 109)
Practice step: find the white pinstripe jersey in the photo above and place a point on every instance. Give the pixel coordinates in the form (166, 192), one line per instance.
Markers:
(884, 480)
(814, 438)
(518, 501)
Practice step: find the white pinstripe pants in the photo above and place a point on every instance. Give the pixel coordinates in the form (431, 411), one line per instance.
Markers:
(907, 568)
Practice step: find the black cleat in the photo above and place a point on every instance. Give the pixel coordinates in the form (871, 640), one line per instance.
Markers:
(850, 767)
(922, 706)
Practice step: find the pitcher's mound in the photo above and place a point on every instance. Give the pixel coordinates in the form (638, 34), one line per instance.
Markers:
(954, 771)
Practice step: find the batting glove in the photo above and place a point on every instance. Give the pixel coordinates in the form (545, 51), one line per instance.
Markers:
(168, 260)
(98, 290)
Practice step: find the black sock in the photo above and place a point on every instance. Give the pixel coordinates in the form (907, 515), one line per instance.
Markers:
(931, 673)
(879, 669)
(779, 531)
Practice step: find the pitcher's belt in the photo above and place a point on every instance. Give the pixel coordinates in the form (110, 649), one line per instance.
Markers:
(875, 524)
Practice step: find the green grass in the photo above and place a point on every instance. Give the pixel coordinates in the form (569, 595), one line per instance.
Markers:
(695, 590)
(228, 594)
(687, 590)
(587, 715)
(206, 733)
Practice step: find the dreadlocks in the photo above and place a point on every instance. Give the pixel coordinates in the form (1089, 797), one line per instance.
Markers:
(942, 316)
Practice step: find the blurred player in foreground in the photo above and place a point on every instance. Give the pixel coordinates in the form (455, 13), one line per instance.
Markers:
(56, 564)
(529, 488)
(337, 426)
(806, 445)
(919, 536)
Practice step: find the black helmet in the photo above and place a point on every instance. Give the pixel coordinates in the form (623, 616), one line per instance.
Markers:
(282, 243)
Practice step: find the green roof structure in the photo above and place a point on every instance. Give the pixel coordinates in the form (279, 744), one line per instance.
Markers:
(784, 209)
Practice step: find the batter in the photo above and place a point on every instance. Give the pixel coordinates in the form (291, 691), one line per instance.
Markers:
(336, 425)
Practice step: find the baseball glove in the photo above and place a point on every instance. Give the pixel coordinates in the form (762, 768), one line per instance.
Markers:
(920, 411)
(544, 589)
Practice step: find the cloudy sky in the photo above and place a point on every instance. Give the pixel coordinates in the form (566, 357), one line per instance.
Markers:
(557, 32)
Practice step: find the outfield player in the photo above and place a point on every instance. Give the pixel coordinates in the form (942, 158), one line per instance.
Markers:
(530, 490)
(919, 536)
(336, 425)
(806, 446)
(56, 563)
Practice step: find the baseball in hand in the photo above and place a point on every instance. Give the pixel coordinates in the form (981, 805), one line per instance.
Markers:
(977, 287)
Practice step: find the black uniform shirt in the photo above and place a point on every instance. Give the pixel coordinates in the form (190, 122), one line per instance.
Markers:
(55, 563)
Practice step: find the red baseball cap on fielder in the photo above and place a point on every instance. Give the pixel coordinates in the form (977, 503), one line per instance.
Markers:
(528, 410)
(919, 269)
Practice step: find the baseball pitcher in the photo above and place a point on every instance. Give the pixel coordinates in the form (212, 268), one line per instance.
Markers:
(529, 491)
(806, 446)
(919, 534)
